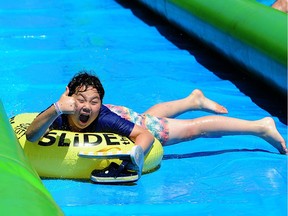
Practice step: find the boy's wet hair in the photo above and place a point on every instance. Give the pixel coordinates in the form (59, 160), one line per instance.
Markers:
(85, 79)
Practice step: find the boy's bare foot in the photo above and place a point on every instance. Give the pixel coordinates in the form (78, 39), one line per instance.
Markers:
(271, 135)
(200, 102)
(195, 101)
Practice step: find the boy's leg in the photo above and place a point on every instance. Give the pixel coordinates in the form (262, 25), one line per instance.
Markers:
(195, 101)
(210, 126)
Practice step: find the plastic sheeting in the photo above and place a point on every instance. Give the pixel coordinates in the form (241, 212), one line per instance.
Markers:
(258, 42)
(141, 61)
(22, 192)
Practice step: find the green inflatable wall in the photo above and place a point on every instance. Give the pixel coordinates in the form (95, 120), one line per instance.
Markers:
(246, 31)
(22, 191)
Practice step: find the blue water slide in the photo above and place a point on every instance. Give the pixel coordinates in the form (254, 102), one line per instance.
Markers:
(247, 32)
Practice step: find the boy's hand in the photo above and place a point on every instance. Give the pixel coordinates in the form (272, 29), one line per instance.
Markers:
(67, 104)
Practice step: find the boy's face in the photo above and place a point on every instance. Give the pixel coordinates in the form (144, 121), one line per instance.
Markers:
(88, 104)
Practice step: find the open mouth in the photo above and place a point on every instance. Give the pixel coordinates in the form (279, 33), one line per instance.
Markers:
(84, 118)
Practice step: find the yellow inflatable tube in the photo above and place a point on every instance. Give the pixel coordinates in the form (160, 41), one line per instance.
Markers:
(64, 154)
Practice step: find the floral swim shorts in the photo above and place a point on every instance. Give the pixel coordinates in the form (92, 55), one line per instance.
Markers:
(157, 126)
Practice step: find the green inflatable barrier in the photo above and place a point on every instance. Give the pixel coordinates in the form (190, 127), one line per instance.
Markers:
(245, 31)
(22, 191)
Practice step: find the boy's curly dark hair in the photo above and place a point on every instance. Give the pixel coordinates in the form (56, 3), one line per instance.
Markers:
(86, 79)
